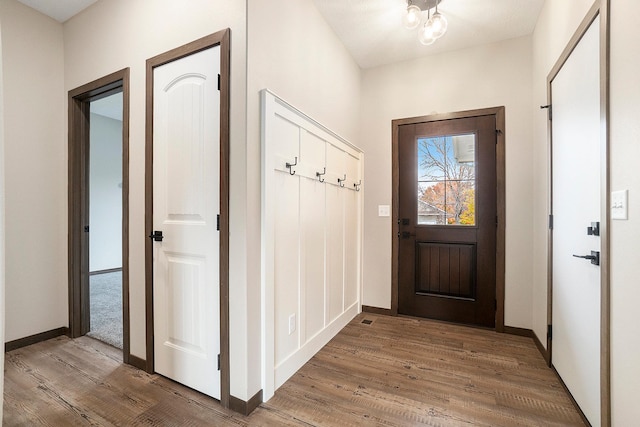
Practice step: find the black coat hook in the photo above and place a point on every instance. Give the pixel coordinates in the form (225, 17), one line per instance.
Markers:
(319, 175)
(290, 165)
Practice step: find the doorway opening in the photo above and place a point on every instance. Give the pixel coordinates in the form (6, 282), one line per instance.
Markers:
(98, 210)
(105, 219)
(449, 217)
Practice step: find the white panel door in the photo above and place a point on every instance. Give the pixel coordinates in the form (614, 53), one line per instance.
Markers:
(186, 197)
(576, 203)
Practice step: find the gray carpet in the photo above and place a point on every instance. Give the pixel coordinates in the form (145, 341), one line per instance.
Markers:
(106, 307)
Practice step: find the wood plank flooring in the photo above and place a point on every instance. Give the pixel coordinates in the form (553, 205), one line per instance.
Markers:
(392, 372)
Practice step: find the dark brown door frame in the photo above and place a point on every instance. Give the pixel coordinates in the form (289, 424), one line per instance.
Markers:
(79, 100)
(222, 39)
(499, 113)
(599, 8)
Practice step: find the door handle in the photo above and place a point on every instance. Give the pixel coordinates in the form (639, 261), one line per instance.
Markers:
(406, 234)
(594, 257)
(156, 236)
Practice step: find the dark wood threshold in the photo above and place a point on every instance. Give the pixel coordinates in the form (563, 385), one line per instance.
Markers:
(376, 310)
(108, 270)
(34, 339)
(575, 404)
(521, 332)
(137, 362)
(245, 408)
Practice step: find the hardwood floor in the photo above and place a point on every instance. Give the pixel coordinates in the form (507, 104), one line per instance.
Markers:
(392, 372)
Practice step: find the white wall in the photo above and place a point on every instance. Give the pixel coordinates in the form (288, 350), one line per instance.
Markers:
(294, 53)
(105, 192)
(625, 269)
(35, 171)
(114, 34)
(487, 76)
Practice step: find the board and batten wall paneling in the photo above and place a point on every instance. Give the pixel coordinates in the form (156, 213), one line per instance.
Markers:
(311, 250)
(287, 262)
(312, 239)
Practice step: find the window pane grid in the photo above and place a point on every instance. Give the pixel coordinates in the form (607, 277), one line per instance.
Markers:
(446, 180)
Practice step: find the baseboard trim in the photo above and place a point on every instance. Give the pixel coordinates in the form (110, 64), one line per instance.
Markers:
(245, 408)
(34, 339)
(108, 270)
(541, 349)
(521, 332)
(137, 362)
(377, 310)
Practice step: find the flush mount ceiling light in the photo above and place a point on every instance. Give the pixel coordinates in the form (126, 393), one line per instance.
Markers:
(434, 26)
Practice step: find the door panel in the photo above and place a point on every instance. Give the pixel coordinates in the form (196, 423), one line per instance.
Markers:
(445, 269)
(576, 203)
(447, 220)
(186, 170)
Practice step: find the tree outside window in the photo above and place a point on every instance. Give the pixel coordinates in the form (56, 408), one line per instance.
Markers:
(446, 179)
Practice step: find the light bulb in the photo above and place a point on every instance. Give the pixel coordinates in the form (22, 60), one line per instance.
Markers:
(425, 35)
(438, 24)
(412, 18)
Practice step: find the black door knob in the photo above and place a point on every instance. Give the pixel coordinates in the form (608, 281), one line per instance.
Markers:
(156, 236)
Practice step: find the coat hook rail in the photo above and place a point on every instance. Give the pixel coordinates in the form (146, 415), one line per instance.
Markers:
(341, 181)
(319, 175)
(357, 185)
(290, 165)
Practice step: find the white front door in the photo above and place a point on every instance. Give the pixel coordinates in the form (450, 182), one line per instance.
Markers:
(576, 204)
(186, 198)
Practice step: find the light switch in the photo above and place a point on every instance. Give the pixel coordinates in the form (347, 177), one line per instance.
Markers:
(619, 204)
(384, 210)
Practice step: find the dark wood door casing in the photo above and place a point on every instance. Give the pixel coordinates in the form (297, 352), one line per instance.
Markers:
(447, 272)
(221, 38)
(79, 100)
(444, 246)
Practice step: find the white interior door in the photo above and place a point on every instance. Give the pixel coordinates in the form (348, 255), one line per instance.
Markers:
(186, 197)
(576, 204)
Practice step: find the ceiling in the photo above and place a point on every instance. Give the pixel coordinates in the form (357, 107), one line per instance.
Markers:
(372, 30)
(60, 10)
(111, 106)
(373, 33)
